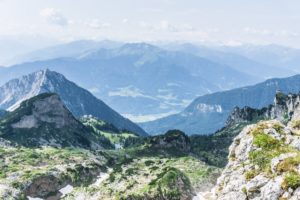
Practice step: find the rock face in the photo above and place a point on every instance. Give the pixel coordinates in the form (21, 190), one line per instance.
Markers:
(78, 100)
(45, 121)
(264, 162)
(246, 114)
(284, 108)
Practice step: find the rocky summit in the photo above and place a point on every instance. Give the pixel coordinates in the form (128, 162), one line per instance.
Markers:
(45, 121)
(263, 164)
(264, 158)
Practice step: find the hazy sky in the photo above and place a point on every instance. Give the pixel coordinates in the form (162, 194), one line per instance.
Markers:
(214, 21)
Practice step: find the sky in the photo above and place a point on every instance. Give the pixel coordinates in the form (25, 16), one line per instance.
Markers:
(230, 22)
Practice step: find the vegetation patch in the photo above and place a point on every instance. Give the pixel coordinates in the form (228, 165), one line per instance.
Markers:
(296, 124)
(251, 174)
(291, 180)
(269, 148)
(289, 164)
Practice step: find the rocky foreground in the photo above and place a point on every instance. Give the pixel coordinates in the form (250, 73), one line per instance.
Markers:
(264, 163)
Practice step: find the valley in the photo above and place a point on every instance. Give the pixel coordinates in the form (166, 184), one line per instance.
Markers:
(47, 153)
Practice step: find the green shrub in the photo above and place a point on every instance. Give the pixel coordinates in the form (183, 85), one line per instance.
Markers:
(296, 124)
(278, 128)
(250, 174)
(291, 180)
(149, 162)
(265, 141)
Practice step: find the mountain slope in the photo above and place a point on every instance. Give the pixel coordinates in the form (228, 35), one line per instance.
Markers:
(274, 55)
(141, 80)
(208, 113)
(44, 121)
(70, 49)
(2, 113)
(78, 100)
(236, 60)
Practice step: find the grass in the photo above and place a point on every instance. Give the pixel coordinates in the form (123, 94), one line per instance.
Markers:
(291, 180)
(26, 164)
(251, 174)
(269, 148)
(296, 124)
(158, 177)
(289, 164)
(107, 130)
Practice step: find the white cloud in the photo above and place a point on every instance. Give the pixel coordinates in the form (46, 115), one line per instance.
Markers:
(168, 97)
(166, 26)
(129, 91)
(146, 118)
(97, 24)
(125, 20)
(266, 32)
(54, 16)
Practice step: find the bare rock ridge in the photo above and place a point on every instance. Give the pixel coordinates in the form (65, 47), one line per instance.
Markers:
(78, 100)
(263, 164)
(284, 108)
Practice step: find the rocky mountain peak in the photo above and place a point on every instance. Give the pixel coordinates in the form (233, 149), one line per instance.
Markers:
(46, 108)
(285, 107)
(25, 87)
(78, 100)
(45, 121)
(246, 114)
(263, 164)
(263, 160)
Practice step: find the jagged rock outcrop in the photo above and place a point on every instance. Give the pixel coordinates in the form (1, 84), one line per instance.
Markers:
(284, 108)
(45, 121)
(264, 162)
(246, 114)
(264, 158)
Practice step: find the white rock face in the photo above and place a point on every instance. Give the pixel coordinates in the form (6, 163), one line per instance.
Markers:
(26, 122)
(49, 110)
(277, 160)
(233, 184)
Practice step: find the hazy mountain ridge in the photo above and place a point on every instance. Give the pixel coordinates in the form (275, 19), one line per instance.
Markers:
(208, 113)
(134, 75)
(236, 59)
(78, 100)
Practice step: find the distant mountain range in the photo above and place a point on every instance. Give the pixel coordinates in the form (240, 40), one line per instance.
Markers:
(78, 100)
(144, 82)
(139, 80)
(273, 55)
(236, 58)
(208, 113)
